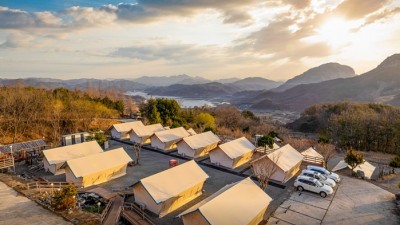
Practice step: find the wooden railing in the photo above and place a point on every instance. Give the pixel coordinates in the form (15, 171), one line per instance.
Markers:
(47, 185)
(6, 161)
(140, 212)
(105, 211)
(314, 160)
(265, 150)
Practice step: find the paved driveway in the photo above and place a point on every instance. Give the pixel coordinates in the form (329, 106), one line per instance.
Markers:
(19, 210)
(355, 202)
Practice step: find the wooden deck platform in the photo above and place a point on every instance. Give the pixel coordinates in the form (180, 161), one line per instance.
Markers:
(114, 213)
(133, 218)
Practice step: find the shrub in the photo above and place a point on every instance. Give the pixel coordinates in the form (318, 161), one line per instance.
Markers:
(395, 162)
(65, 198)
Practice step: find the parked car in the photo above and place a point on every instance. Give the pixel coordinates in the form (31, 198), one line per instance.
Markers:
(323, 179)
(324, 172)
(313, 185)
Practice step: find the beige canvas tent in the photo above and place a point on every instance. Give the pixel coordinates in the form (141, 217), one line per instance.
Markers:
(141, 135)
(168, 190)
(366, 169)
(311, 152)
(233, 154)
(191, 131)
(198, 145)
(239, 203)
(55, 158)
(284, 162)
(121, 130)
(97, 168)
(167, 139)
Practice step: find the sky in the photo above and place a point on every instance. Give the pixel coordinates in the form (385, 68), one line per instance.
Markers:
(274, 39)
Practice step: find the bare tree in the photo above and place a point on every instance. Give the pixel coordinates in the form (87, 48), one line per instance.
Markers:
(328, 151)
(264, 168)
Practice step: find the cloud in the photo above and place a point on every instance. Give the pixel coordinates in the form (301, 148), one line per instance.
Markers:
(13, 18)
(299, 4)
(358, 9)
(279, 41)
(173, 53)
(141, 12)
(17, 40)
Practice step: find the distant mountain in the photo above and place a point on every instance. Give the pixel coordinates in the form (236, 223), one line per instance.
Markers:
(256, 83)
(83, 83)
(227, 80)
(160, 81)
(324, 72)
(381, 85)
(208, 90)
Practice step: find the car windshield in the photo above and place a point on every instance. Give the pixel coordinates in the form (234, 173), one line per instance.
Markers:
(319, 184)
(321, 177)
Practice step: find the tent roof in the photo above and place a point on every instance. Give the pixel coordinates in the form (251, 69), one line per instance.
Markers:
(312, 153)
(65, 153)
(191, 131)
(98, 162)
(126, 127)
(171, 182)
(237, 147)
(367, 168)
(148, 130)
(237, 203)
(285, 157)
(172, 134)
(201, 140)
(341, 165)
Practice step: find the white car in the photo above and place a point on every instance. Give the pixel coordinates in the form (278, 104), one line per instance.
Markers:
(324, 172)
(323, 179)
(313, 185)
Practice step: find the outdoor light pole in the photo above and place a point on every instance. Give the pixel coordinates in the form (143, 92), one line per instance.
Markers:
(52, 188)
(98, 207)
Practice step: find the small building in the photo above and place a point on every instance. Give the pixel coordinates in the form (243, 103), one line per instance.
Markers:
(141, 135)
(284, 162)
(170, 189)
(191, 131)
(24, 150)
(198, 145)
(312, 156)
(167, 139)
(55, 158)
(121, 130)
(76, 138)
(97, 168)
(233, 154)
(242, 202)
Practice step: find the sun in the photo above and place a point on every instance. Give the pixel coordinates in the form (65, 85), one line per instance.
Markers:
(335, 31)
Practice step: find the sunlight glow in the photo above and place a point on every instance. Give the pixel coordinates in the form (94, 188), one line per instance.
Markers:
(335, 32)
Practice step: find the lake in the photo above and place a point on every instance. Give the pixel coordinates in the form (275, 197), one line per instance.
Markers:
(183, 102)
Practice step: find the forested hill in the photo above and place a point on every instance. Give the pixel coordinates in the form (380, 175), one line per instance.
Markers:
(363, 126)
(28, 113)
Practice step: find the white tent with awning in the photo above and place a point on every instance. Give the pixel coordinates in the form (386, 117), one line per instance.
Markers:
(198, 145)
(239, 203)
(170, 189)
(233, 154)
(121, 130)
(367, 169)
(55, 158)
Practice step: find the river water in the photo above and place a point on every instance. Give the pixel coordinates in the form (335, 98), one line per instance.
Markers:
(183, 102)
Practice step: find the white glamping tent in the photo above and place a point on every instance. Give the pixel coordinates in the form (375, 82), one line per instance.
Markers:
(367, 169)
(121, 130)
(167, 139)
(141, 135)
(170, 189)
(97, 168)
(198, 145)
(285, 161)
(233, 154)
(239, 203)
(55, 158)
